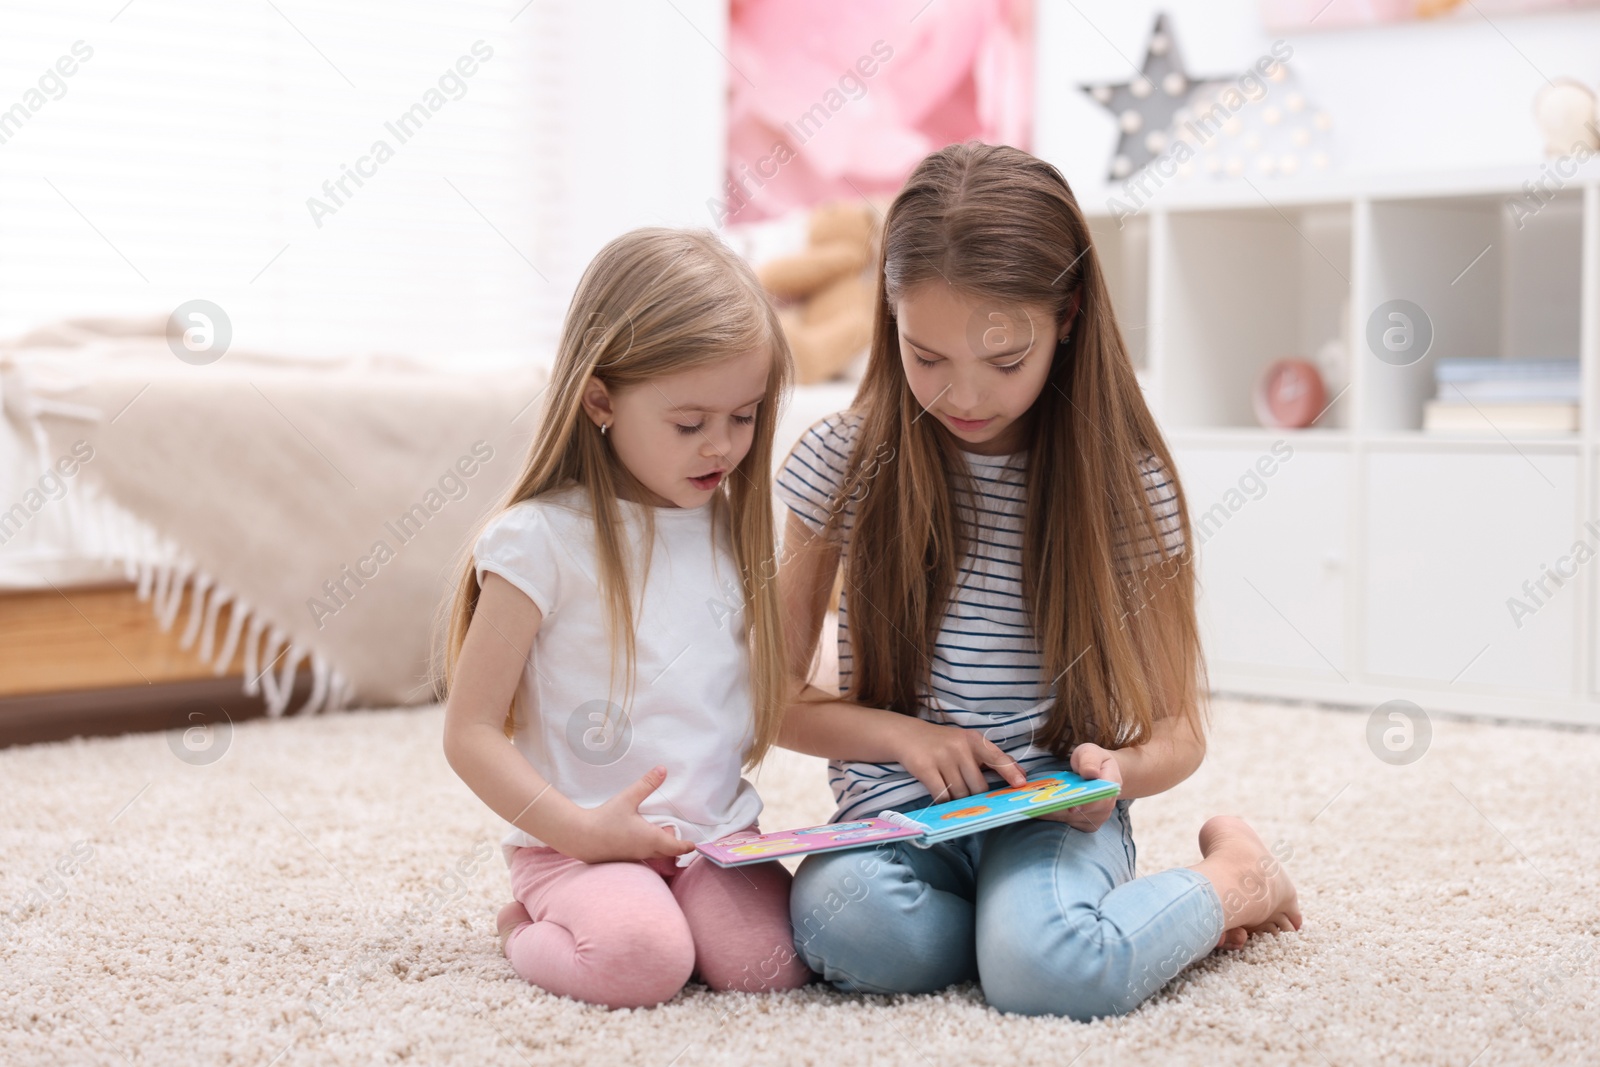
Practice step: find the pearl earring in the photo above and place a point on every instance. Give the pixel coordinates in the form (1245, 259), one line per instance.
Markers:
(604, 426)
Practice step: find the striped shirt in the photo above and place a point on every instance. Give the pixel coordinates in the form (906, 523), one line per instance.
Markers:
(986, 671)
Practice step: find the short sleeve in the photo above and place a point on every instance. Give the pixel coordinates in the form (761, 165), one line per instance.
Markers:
(519, 545)
(810, 479)
(1136, 549)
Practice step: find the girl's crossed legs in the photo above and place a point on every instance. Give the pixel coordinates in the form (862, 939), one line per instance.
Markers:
(631, 934)
(1049, 919)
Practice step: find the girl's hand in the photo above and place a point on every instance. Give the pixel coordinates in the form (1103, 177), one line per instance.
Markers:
(616, 831)
(1090, 761)
(949, 760)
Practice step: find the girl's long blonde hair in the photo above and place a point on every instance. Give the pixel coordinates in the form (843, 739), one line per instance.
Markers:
(1123, 650)
(656, 301)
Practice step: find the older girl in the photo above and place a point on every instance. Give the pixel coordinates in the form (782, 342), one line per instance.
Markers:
(1018, 594)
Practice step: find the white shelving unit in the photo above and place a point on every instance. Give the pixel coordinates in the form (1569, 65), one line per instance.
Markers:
(1364, 559)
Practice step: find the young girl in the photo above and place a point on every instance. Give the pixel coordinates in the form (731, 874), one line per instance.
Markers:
(611, 623)
(1017, 595)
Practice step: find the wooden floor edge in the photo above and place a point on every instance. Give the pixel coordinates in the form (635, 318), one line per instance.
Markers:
(134, 709)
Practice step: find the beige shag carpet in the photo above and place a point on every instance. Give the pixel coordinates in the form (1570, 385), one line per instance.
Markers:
(325, 893)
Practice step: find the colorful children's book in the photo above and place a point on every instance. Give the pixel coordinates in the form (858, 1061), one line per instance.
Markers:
(1052, 791)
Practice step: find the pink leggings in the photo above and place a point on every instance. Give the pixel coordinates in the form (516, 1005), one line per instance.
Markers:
(630, 934)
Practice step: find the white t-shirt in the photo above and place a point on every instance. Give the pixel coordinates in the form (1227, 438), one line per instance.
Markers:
(691, 708)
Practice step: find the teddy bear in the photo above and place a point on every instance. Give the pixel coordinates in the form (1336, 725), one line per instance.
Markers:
(825, 292)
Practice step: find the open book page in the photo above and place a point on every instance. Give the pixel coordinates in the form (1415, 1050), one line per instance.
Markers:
(1044, 793)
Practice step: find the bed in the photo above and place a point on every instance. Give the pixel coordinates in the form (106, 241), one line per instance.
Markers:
(206, 545)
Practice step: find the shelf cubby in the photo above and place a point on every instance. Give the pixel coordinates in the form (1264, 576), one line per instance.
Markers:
(1492, 281)
(1243, 288)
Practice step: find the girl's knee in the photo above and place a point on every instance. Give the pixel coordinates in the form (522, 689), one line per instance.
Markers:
(740, 922)
(1084, 990)
(828, 900)
(876, 929)
(644, 976)
(751, 948)
(1084, 975)
(634, 960)
(649, 956)
(775, 971)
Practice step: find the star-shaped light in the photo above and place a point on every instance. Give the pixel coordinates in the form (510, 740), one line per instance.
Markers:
(1145, 106)
(1280, 133)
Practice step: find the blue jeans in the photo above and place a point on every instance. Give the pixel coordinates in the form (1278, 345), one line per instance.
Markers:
(1050, 920)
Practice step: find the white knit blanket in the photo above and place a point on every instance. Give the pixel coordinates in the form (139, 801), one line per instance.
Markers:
(329, 503)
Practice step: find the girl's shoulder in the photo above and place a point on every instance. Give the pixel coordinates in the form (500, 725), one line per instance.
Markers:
(556, 508)
(1158, 482)
(531, 543)
(834, 435)
(813, 474)
(1134, 546)
(825, 449)
(1151, 463)
(570, 500)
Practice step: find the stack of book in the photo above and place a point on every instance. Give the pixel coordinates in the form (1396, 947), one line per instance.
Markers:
(1505, 395)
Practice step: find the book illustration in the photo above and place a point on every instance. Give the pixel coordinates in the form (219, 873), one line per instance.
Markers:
(754, 848)
(1049, 792)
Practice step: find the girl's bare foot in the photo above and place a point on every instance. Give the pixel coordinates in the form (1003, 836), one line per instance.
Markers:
(511, 916)
(1257, 894)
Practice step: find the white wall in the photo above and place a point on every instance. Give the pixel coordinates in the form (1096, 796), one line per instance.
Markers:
(1420, 96)
(648, 121)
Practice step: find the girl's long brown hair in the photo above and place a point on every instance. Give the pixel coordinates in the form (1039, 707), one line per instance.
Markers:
(1001, 226)
(656, 301)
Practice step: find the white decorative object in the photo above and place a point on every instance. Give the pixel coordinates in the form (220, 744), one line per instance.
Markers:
(1284, 134)
(1258, 115)
(1565, 112)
